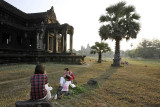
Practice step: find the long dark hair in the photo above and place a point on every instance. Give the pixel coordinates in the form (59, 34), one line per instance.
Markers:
(40, 69)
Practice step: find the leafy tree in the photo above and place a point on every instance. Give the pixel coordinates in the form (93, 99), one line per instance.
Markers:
(131, 53)
(146, 49)
(156, 45)
(100, 48)
(120, 22)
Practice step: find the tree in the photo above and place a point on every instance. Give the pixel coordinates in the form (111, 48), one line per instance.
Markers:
(121, 22)
(148, 48)
(100, 48)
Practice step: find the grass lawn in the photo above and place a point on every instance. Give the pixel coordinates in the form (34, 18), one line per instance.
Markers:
(132, 85)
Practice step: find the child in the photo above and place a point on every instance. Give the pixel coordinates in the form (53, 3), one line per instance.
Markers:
(65, 81)
(68, 74)
(38, 82)
(66, 84)
(64, 90)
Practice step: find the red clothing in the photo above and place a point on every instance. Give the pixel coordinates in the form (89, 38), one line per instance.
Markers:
(71, 74)
(38, 90)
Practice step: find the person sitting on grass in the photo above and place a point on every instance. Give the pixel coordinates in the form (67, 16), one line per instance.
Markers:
(67, 74)
(63, 89)
(127, 63)
(38, 82)
(66, 84)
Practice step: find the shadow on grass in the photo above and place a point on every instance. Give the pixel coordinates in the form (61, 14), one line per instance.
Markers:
(85, 88)
(105, 76)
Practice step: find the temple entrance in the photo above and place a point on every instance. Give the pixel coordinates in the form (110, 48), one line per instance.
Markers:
(68, 43)
(50, 44)
(6, 39)
(30, 42)
(59, 43)
(19, 40)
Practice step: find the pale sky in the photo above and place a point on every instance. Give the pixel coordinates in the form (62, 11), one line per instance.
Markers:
(84, 15)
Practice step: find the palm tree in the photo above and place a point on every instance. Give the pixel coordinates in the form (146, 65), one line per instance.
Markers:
(100, 48)
(121, 21)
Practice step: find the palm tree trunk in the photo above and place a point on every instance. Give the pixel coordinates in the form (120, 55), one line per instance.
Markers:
(116, 60)
(99, 57)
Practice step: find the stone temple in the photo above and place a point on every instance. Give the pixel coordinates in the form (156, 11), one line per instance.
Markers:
(34, 37)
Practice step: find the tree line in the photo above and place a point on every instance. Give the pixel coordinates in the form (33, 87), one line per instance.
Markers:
(146, 49)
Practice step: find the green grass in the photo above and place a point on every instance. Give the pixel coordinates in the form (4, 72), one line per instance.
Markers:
(141, 61)
(133, 85)
(79, 90)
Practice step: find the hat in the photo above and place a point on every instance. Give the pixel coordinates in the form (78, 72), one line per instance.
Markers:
(66, 69)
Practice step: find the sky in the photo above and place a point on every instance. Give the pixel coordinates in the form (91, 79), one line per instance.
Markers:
(84, 16)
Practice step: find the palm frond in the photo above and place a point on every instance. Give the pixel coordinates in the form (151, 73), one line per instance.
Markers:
(135, 16)
(129, 9)
(102, 18)
(122, 22)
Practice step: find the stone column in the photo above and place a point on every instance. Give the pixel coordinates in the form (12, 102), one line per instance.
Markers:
(62, 43)
(47, 41)
(52, 44)
(71, 43)
(37, 41)
(0, 38)
(65, 42)
(1, 24)
(25, 40)
(55, 43)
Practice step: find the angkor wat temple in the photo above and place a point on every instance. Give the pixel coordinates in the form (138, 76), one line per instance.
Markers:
(34, 37)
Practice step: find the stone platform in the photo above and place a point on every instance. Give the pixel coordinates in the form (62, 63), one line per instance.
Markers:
(13, 58)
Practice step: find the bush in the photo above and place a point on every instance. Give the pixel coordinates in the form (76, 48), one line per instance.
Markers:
(78, 90)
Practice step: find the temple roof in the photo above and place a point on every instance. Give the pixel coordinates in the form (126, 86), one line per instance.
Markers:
(14, 10)
(10, 8)
(48, 18)
(36, 15)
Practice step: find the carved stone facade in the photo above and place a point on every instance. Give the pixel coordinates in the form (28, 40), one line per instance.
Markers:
(34, 37)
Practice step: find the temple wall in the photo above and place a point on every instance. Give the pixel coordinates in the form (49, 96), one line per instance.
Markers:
(42, 58)
(36, 37)
(11, 18)
(14, 39)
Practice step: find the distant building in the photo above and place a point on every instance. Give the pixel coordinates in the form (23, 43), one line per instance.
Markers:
(34, 37)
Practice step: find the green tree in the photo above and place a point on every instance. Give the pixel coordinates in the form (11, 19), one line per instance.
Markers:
(100, 48)
(120, 22)
(145, 49)
(148, 48)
